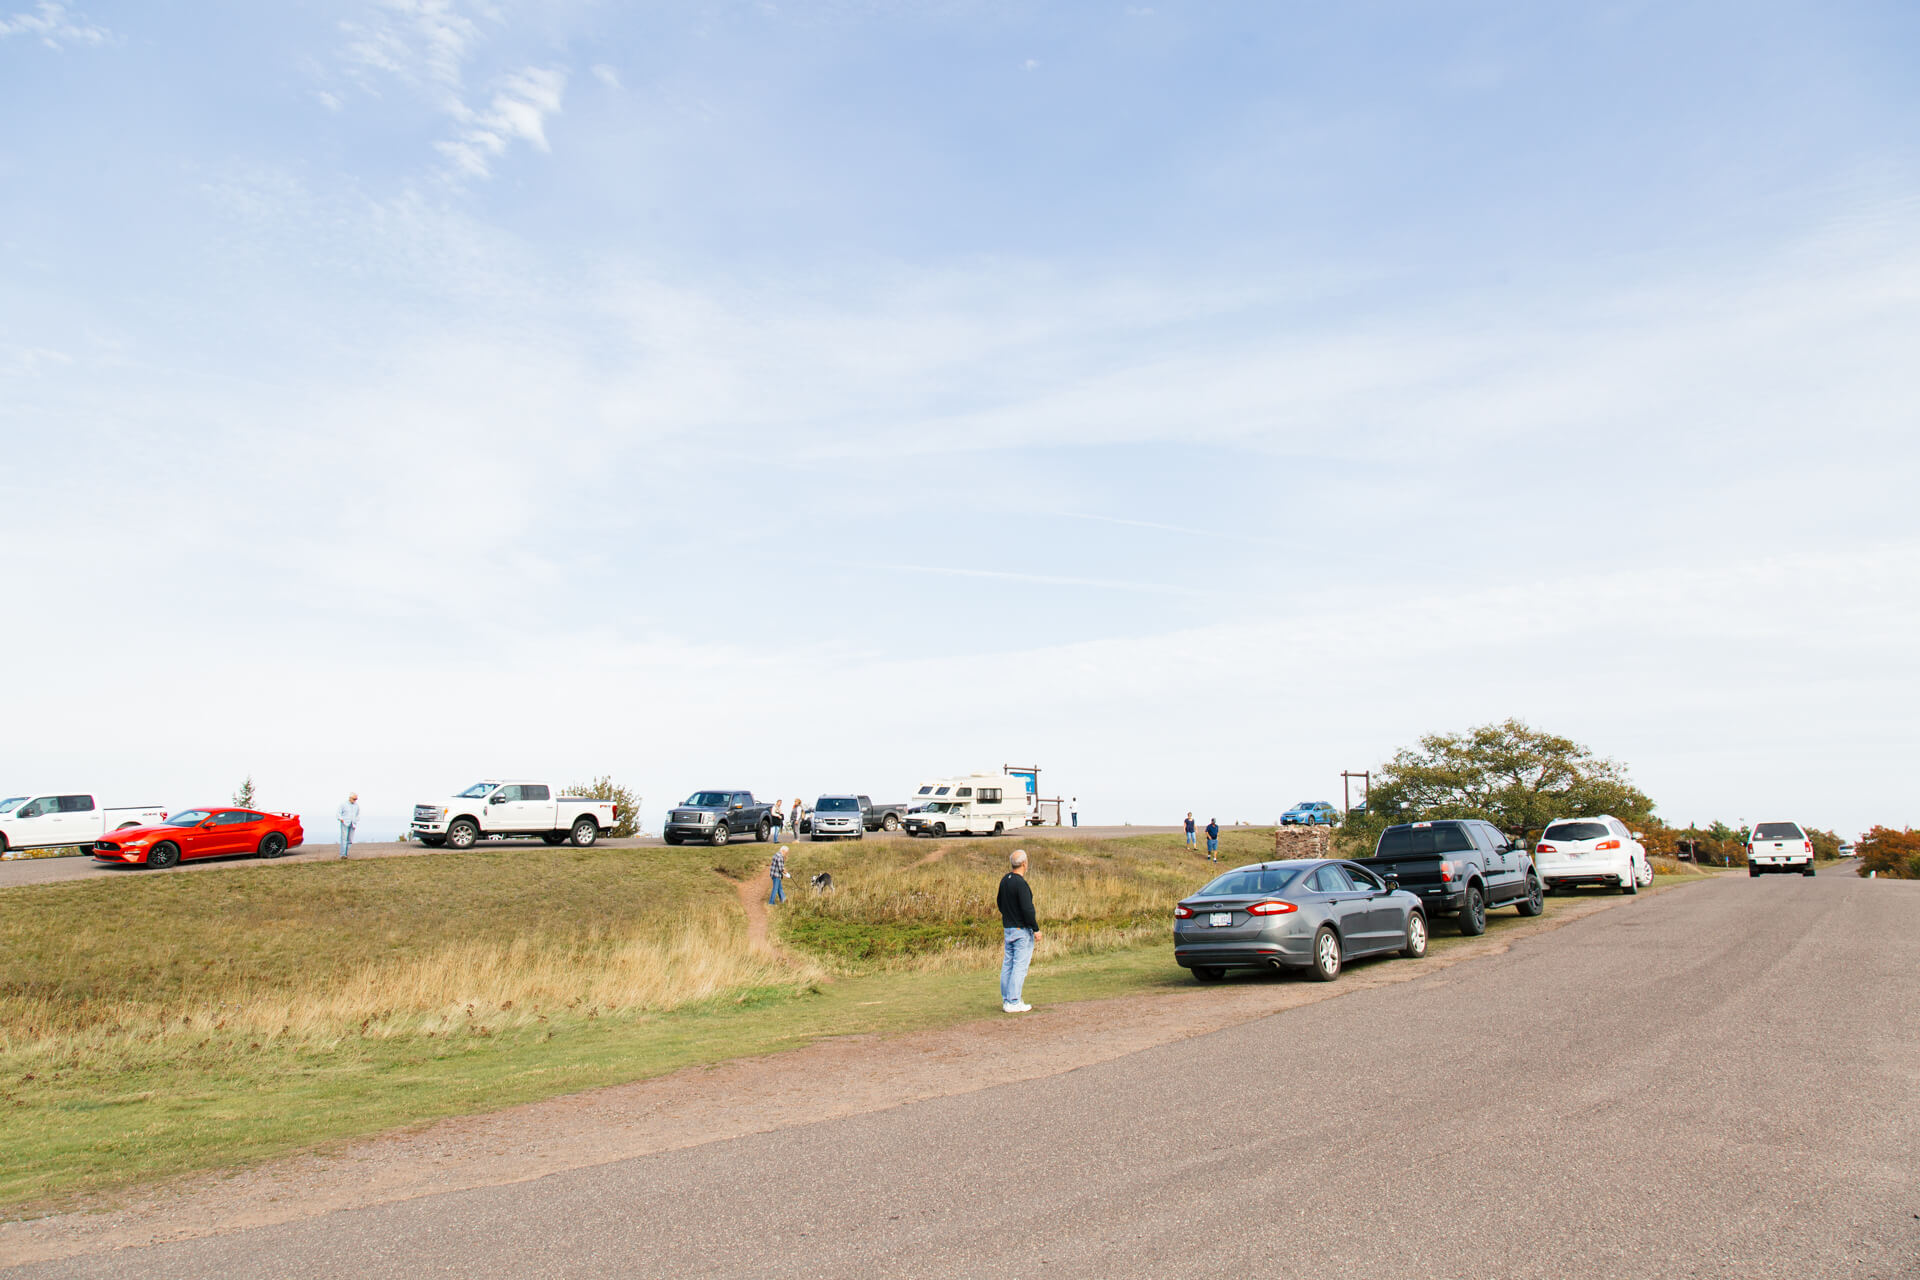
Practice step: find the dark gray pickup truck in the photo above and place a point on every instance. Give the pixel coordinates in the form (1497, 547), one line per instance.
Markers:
(1459, 867)
(714, 817)
(881, 817)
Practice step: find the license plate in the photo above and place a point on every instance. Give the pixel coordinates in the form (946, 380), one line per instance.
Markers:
(1220, 919)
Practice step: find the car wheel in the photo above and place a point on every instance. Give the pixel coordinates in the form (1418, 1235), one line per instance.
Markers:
(1326, 955)
(720, 833)
(891, 822)
(1808, 871)
(1630, 882)
(3, 843)
(164, 854)
(273, 845)
(1208, 973)
(939, 829)
(1416, 936)
(1473, 913)
(433, 842)
(999, 828)
(1752, 870)
(585, 832)
(762, 831)
(463, 834)
(1536, 900)
(553, 837)
(669, 839)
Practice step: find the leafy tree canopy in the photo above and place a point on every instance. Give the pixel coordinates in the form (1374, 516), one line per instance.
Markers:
(626, 821)
(1890, 852)
(1515, 776)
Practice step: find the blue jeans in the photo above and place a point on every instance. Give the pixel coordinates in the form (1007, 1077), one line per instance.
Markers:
(1013, 970)
(346, 840)
(778, 894)
(1213, 845)
(1190, 840)
(1076, 819)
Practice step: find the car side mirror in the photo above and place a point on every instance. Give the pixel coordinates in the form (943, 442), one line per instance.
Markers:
(496, 799)
(1639, 836)
(1393, 884)
(738, 805)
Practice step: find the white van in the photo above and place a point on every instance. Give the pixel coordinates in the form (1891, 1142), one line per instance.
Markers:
(983, 804)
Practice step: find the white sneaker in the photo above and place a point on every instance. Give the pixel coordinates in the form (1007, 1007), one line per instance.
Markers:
(1023, 1007)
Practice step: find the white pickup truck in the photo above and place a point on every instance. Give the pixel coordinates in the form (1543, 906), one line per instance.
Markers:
(512, 808)
(47, 821)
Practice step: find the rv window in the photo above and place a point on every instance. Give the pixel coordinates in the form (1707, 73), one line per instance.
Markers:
(926, 791)
(989, 795)
(964, 791)
(942, 791)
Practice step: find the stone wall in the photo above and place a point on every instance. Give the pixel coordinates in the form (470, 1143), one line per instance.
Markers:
(1303, 842)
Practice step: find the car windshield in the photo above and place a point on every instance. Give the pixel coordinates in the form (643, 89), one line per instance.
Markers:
(11, 803)
(710, 799)
(191, 818)
(1577, 831)
(477, 790)
(837, 804)
(1304, 804)
(938, 806)
(1778, 831)
(1249, 881)
(1441, 837)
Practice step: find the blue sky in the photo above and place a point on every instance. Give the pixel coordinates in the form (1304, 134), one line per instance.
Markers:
(1198, 399)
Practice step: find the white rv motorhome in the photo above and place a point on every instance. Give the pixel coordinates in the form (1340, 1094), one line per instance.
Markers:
(986, 804)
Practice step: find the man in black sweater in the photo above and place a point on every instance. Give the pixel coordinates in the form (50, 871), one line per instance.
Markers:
(1022, 929)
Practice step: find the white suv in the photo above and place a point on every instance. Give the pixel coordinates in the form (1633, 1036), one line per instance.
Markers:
(1599, 851)
(1779, 846)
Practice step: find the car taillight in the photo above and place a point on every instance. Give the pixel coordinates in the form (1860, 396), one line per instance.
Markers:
(1545, 848)
(1446, 870)
(616, 812)
(1274, 908)
(1183, 913)
(1606, 844)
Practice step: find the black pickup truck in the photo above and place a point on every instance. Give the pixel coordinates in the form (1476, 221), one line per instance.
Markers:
(881, 817)
(1459, 867)
(714, 817)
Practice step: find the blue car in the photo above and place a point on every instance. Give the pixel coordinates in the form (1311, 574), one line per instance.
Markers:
(1309, 813)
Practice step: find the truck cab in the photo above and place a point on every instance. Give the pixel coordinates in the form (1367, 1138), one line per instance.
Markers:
(1459, 867)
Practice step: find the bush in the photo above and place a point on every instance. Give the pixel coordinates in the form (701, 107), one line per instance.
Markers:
(626, 821)
(1890, 853)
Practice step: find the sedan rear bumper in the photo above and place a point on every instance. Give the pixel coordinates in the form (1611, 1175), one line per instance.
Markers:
(1244, 953)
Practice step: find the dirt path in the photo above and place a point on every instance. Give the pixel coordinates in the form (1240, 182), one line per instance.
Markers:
(753, 900)
(843, 1076)
(933, 855)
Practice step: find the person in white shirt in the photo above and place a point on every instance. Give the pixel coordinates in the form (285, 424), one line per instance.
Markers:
(349, 816)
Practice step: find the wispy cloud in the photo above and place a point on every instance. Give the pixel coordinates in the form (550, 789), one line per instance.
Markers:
(56, 25)
(517, 112)
(1045, 580)
(427, 46)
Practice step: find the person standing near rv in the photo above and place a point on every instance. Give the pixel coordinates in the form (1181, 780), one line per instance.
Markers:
(1022, 929)
(799, 811)
(1190, 838)
(1213, 839)
(774, 819)
(1073, 810)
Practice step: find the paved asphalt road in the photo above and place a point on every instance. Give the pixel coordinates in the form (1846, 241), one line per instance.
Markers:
(49, 870)
(1714, 1082)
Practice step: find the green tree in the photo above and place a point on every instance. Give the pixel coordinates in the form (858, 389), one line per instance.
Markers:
(1890, 853)
(243, 798)
(626, 819)
(1515, 776)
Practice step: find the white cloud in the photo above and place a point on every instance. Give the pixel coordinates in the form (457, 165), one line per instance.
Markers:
(1031, 64)
(428, 46)
(55, 25)
(606, 75)
(517, 112)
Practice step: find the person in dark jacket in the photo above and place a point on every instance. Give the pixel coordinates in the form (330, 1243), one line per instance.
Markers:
(1022, 929)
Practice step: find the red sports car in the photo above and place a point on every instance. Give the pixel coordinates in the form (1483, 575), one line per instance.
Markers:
(203, 833)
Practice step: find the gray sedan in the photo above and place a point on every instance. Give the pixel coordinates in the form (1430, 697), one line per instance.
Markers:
(1310, 914)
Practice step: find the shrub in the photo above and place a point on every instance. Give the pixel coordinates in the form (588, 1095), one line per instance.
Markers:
(626, 822)
(1890, 853)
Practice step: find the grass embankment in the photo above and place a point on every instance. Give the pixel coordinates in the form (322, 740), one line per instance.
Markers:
(155, 1024)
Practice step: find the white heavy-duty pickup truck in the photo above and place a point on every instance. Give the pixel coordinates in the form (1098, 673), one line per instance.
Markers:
(47, 821)
(512, 808)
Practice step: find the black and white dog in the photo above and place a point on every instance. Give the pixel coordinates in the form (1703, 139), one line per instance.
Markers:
(822, 883)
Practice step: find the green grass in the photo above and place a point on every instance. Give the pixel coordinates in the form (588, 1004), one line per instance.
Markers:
(154, 1025)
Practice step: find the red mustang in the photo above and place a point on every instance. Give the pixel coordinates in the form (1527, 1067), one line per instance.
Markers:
(203, 833)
